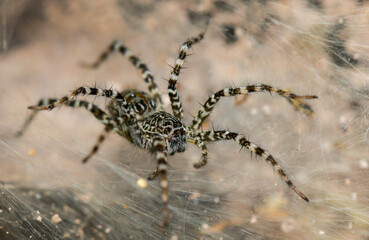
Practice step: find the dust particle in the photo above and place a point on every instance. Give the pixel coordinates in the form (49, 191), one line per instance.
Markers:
(56, 218)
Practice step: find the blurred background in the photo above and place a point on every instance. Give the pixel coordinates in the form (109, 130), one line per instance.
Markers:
(317, 47)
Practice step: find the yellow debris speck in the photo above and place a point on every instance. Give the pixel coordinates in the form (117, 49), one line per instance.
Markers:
(142, 183)
(31, 152)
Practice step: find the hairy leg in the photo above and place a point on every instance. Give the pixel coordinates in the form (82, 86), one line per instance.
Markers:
(209, 105)
(161, 157)
(108, 93)
(172, 90)
(153, 175)
(204, 157)
(110, 125)
(95, 110)
(212, 136)
(117, 46)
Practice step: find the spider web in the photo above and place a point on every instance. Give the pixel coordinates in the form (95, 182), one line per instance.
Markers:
(309, 47)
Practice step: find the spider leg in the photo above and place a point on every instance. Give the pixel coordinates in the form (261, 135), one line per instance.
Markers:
(161, 157)
(212, 136)
(208, 106)
(108, 93)
(95, 110)
(110, 125)
(153, 175)
(172, 90)
(142, 67)
(204, 157)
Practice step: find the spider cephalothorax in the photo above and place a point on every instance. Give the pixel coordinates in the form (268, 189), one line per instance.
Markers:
(170, 128)
(140, 118)
(142, 104)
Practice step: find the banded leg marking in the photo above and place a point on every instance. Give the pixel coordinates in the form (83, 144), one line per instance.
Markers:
(137, 63)
(204, 156)
(108, 93)
(153, 175)
(172, 90)
(212, 136)
(95, 110)
(209, 105)
(161, 157)
(110, 125)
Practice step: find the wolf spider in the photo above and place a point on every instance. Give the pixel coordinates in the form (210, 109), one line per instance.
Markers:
(140, 118)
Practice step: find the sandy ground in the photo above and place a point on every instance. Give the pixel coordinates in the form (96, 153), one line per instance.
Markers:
(309, 47)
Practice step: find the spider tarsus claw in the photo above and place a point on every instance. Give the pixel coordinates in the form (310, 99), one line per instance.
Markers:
(300, 193)
(304, 197)
(39, 108)
(306, 97)
(84, 161)
(152, 176)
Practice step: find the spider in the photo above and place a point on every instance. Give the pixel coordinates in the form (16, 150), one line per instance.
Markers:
(140, 117)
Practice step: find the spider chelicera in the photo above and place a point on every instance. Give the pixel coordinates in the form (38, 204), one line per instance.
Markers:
(140, 117)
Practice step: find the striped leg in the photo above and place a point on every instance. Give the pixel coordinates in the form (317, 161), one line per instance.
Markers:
(110, 125)
(207, 108)
(153, 175)
(95, 110)
(108, 93)
(161, 156)
(142, 67)
(172, 90)
(212, 136)
(204, 149)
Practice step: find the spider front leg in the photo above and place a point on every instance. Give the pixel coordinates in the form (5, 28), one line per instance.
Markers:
(95, 110)
(117, 46)
(162, 168)
(153, 175)
(204, 149)
(172, 90)
(209, 105)
(212, 136)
